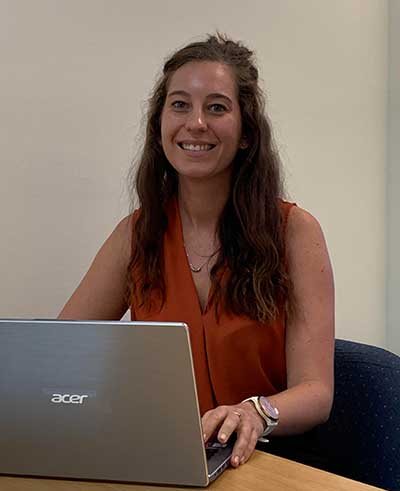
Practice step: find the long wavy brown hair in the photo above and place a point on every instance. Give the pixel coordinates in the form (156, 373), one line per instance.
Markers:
(250, 226)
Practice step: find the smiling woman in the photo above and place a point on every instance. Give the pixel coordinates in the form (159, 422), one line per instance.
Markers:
(201, 124)
(214, 245)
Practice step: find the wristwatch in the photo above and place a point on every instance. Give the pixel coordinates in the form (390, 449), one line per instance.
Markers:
(268, 413)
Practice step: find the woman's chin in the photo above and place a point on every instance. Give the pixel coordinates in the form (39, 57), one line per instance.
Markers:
(202, 173)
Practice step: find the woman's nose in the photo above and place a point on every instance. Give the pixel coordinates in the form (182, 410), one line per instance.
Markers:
(196, 120)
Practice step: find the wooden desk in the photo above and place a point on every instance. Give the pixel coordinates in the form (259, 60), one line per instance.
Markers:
(263, 472)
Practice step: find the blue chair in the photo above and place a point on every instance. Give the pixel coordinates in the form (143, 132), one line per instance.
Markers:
(361, 439)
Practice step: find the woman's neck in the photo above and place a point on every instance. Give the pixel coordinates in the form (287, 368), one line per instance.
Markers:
(201, 203)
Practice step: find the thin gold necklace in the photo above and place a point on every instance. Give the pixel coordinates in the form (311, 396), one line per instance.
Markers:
(197, 269)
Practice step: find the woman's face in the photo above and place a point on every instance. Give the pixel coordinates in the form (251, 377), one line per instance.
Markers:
(201, 124)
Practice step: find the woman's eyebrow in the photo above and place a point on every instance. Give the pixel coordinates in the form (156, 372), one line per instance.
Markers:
(217, 95)
(214, 95)
(178, 92)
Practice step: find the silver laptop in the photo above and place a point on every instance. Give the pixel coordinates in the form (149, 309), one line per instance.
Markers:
(102, 401)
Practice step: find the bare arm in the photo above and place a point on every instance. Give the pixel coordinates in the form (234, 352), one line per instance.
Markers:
(102, 291)
(310, 331)
(309, 348)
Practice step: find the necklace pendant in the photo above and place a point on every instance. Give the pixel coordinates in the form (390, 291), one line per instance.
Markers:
(195, 269)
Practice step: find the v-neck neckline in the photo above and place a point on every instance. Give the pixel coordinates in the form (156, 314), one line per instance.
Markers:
(185, 261)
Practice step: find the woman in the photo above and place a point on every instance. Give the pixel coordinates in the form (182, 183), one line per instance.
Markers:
(214, 245)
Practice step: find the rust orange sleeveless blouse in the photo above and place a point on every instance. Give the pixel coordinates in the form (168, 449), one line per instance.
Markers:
(233, 359)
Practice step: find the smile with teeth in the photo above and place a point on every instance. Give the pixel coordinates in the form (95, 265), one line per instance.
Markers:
(196, 148)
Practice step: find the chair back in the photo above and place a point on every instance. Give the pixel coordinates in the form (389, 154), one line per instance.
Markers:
(362, 435)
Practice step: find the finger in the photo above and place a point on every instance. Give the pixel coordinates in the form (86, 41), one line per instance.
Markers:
(212, 420)
(229, 425)
(240, 449)
(250, 447)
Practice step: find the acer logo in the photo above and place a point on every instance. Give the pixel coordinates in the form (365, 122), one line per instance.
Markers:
(68, 398)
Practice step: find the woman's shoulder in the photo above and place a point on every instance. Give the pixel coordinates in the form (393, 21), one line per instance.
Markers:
(125, 226)
(301, 221)
(123, 232)
(297, 218)
(304, 235)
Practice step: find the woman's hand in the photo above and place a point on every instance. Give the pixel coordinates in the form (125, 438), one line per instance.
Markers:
(242, 419)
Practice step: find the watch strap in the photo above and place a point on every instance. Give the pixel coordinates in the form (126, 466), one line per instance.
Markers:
(270, 424)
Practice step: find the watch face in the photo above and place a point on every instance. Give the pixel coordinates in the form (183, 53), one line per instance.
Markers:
(270, 410)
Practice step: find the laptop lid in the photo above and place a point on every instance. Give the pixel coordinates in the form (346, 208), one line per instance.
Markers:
(100, 400)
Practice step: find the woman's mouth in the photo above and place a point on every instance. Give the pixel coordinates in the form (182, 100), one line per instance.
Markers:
(194, 147)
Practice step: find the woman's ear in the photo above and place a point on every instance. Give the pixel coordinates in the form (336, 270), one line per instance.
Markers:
(243, 143)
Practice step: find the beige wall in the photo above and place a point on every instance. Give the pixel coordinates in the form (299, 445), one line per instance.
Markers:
(74, 75)
(393, 181)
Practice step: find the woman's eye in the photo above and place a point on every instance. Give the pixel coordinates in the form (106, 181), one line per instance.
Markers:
(179, 105)
(217, 108)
